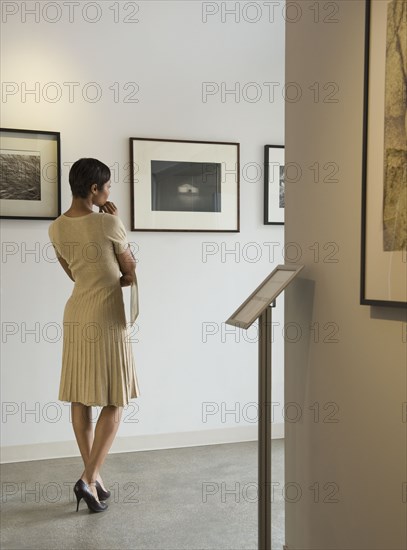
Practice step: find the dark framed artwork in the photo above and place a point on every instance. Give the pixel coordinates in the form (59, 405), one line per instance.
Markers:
(384, 171)
(30, 175)
(274, 191)
(180, 185)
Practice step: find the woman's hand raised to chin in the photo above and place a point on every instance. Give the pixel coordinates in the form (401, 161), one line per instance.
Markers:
(109, 208)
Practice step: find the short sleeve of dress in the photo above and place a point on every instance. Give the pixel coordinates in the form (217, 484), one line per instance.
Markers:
(52, 239)
(115, 231)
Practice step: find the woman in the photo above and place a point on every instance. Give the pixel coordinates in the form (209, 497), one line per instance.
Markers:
(97, 359)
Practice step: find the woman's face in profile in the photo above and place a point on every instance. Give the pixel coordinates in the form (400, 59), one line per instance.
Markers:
(102, 195)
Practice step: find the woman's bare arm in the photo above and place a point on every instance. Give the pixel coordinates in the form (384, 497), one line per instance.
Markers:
(127, 264)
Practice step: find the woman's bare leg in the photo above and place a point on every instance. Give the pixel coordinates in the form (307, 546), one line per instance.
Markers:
(83, 429)
(105, 432)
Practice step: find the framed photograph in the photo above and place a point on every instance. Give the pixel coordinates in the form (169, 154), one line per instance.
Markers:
(30, 175)
(179, 185)
(274, 185)
(384, 173)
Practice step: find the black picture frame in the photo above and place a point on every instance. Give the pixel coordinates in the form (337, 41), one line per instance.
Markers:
(165, 175)
(273, 193)
(377, 265)
(30, 178)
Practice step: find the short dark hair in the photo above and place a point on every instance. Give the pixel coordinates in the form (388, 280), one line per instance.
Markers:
(84, 173)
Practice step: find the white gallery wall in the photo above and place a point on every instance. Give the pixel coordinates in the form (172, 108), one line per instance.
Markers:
(346, 453)
(99, 73)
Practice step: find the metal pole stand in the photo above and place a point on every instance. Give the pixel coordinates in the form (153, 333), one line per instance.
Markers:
(264, 445)
(258, 306)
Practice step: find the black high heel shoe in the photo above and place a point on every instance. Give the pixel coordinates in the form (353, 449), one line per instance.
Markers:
(102, 494)
(82, 490)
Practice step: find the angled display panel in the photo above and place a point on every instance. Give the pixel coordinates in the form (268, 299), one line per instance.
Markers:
(264, 294)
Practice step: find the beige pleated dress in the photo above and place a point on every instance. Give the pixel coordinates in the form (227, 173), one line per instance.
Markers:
(97, 357)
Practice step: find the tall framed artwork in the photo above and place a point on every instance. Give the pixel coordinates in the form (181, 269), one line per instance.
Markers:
(384, 172)
(181, 185)
(30, 176)
(274, 190)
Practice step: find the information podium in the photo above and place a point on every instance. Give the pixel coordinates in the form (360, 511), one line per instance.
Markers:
(258, 306)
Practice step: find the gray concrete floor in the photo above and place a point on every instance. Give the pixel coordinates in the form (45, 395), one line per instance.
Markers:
(174, 499)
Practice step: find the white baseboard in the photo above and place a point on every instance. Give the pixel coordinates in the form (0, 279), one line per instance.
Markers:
(64, 449)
